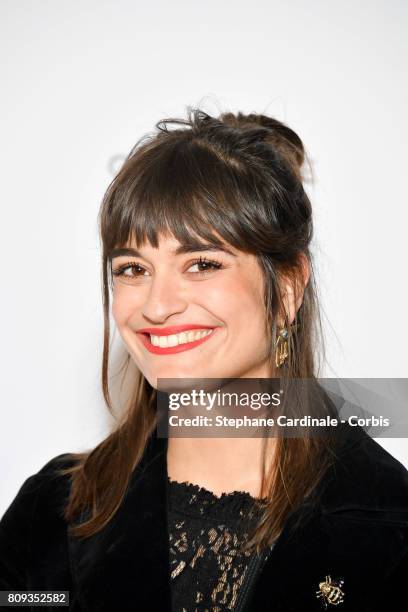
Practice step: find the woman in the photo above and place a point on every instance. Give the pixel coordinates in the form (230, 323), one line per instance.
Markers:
(206, 235)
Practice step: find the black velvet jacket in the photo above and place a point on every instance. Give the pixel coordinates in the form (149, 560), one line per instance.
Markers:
(357, 530)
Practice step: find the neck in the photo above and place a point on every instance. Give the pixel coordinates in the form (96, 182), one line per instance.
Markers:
(221, 465)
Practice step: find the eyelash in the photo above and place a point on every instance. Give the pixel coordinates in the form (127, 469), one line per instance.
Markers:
(201, 260)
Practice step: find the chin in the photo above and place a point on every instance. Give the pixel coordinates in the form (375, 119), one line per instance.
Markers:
(178, 374)
(181, 373)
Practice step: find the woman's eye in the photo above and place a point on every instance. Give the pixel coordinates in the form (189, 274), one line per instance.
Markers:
(204, 265)
(129, 271)
(132, 271)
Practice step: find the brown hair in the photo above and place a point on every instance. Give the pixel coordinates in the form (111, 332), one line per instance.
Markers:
(242, 176)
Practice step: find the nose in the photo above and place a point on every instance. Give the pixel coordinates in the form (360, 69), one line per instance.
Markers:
(164, 299)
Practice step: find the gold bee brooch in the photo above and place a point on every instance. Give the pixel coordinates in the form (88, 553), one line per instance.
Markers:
(330, 591)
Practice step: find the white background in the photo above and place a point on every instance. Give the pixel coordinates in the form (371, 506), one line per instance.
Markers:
(82, 81)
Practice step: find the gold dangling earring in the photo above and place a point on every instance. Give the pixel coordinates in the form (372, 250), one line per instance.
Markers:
(282, 349)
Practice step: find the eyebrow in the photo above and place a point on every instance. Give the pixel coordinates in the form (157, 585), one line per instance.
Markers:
(183, 248)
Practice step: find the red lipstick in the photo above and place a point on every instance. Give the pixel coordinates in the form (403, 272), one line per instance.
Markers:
(144, 335)
(173, 329)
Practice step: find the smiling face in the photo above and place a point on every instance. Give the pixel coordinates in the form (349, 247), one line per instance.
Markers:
(190, 314)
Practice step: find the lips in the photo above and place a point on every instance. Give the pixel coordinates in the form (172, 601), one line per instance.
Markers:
(145, 333)
(172, 329)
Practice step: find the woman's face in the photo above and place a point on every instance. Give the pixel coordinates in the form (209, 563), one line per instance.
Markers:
(191, 314)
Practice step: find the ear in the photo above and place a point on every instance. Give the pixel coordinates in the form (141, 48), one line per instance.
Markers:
(293, 287)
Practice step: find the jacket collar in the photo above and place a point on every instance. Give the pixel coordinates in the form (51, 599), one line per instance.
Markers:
(126, 565)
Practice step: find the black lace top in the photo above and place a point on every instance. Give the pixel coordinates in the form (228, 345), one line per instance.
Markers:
(206, 531)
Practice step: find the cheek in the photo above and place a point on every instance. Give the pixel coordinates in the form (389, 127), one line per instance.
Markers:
(239, 303)
(124, 303)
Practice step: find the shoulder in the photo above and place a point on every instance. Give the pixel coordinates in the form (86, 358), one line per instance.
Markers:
(37, 506)
(366, 475)
(364, 508)
(27, 497)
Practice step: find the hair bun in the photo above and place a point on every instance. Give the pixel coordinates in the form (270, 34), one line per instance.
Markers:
(281, 137)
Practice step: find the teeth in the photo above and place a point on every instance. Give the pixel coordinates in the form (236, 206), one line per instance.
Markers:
(182, 338)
